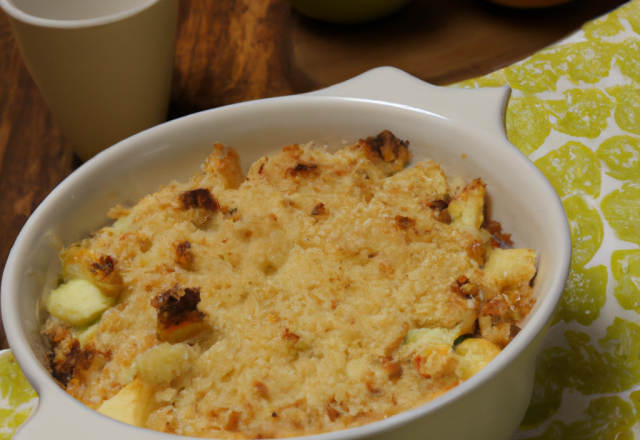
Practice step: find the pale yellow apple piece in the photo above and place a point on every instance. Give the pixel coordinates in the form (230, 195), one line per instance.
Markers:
(78, 302)
(508, 269)
(474, 354)
(130, 405)
(466, 209)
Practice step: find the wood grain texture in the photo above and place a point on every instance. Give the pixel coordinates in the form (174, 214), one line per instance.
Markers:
(439, 41)
(231, 51)
(33, 156)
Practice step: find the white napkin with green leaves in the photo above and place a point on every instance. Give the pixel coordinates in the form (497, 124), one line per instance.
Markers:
(575, 112)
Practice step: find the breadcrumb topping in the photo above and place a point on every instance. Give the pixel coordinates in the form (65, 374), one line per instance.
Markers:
(320, 292)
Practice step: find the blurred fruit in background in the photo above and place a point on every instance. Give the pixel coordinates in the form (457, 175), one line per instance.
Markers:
(530, 3)
(348, 11)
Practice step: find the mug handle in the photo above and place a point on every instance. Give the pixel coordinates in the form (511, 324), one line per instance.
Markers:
(484, 108)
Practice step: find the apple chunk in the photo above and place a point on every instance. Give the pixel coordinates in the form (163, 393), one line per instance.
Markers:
(78, 302)
(131, 405)
(178, 316)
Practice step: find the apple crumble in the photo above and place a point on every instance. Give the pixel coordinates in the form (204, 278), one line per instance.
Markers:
(320, 292)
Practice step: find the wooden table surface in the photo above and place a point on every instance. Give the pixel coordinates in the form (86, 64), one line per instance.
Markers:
(230, 51)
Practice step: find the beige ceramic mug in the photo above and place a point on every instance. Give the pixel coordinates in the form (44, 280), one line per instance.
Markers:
(103, 67)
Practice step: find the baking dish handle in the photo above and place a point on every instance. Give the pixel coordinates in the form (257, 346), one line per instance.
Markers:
(483, 108)
(53, 419)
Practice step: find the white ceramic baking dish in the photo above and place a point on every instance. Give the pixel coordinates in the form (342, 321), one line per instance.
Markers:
(461, 129)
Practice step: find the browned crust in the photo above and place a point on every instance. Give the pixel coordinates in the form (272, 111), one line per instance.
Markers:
(506, 310)
(393, 369)
(319, 209)
(438, 204)
(103, 268)
(176, 306)
(302, 169)
(332, 413)
(386, 150)
(198, 198)
(464, 288)
(225, 163)
(476, 251)
(440, 211)
(387, 147)
(291, 337)
(405, 223)
(67, 357)
(470, 188)
(501, 239)
(183, 254)
(260, 389)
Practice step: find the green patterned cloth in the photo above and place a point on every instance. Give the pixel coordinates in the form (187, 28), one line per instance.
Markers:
(575, 112)
(17, 398)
